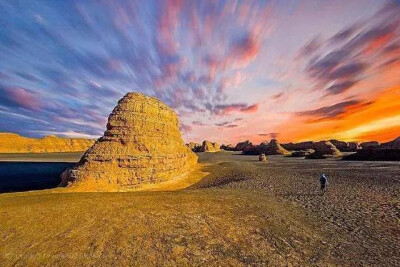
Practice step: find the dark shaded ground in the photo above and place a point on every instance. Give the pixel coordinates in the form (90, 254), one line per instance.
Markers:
(360, 211)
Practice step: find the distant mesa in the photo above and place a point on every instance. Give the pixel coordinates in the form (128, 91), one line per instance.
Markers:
(373, 151)
(14, 143)
(142, 145)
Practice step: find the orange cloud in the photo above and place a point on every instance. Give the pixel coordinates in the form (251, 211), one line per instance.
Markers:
(378, 120)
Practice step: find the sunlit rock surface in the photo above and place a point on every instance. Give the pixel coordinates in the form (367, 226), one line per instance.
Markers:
(14, 143)
(142, 145)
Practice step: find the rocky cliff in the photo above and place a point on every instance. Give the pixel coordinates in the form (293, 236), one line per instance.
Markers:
(142, 145)
(14, 143)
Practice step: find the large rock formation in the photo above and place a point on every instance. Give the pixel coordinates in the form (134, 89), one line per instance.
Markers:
(208, 146)
(323, 150)
(14, 143)
(142, 145)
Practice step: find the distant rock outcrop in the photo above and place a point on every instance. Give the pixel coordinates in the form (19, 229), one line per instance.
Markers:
(228, 147)
(389, 151)
(195, 147)
(298, 146)
(302, 153)
(243, 146)
(375, 154)
(345, 146)
(323, 150)
(369, 144)
(142, 145)
(394, 144)
(208, 146)
(14, 143)
(271, 148)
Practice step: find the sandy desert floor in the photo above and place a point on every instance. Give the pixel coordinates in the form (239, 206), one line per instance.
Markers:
(244, 212)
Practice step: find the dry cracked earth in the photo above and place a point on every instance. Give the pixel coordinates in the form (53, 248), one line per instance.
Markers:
(243, 212)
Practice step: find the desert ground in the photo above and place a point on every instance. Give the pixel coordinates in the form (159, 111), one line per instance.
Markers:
(242, 212)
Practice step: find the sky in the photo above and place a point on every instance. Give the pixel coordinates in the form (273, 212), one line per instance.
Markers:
(232, 70)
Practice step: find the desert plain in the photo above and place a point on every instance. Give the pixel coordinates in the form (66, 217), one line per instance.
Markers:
(235, 211)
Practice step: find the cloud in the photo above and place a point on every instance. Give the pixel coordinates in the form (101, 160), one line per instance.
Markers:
(271, 135)
(20, 98)
(185, 128)
(230, 108)
(340, 87)
(333, 111)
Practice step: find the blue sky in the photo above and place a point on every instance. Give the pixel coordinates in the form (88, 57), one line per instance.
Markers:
(232, 70)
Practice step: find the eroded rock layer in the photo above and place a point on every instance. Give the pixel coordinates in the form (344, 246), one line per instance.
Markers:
(14, 143)
(142, 144)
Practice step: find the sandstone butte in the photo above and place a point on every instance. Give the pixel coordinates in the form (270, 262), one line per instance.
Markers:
(14, 143)
(142, 145)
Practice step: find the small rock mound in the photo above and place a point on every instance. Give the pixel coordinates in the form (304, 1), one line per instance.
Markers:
(262, 157)
(323, 150)
(142, 145)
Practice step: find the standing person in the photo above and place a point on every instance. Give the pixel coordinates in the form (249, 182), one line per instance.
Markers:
(324, 182)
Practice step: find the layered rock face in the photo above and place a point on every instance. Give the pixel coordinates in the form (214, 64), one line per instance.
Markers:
(208, 146)
(142, 145)
(14, 143)
(324, 149)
